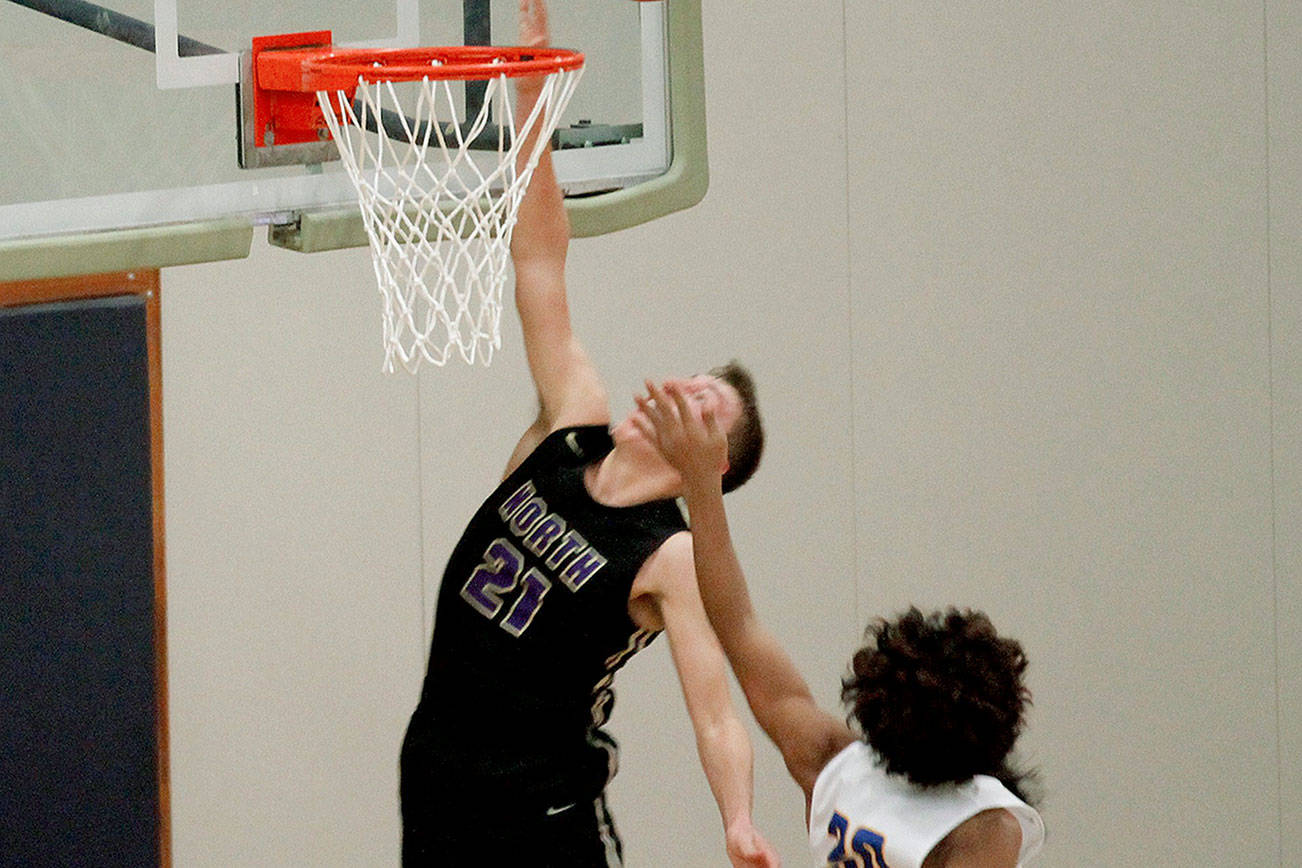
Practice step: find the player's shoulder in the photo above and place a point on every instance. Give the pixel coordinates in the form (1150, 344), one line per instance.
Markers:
(666, 578)
(670, 569)
(988, 839)
(674, 559)
(572, 444)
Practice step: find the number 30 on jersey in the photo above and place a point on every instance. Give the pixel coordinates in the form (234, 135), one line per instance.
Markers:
(865, 846)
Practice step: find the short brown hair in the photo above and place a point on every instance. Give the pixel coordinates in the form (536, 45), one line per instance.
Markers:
(746, 437)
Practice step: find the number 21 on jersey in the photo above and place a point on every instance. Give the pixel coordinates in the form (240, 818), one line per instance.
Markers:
(498, 577)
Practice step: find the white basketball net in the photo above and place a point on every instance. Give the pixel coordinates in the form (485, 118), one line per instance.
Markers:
(438, 213)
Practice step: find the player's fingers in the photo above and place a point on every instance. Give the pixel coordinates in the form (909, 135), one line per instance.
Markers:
(650, 415)
(647, 428)
(680, 401)
(686, 409)
(533, 23)
(663, 405)
(657, 417)
(759, 857)
(648, 403)
(710, 421)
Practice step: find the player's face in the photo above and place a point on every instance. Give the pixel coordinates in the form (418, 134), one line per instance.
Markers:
(701, 390)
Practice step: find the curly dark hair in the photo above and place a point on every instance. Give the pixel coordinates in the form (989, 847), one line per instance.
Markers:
(940, 697)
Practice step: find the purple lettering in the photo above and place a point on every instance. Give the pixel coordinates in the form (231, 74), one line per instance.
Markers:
(570, 543)
(582, 568)
(544, 534)
(527, 516)
(517, 500)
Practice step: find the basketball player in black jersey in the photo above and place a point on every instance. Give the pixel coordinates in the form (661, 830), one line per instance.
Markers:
(577, 560)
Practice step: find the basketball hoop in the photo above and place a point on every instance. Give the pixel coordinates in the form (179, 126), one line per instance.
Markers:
(438, 198)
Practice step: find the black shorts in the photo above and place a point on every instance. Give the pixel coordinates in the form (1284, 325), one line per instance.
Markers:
(562, 836)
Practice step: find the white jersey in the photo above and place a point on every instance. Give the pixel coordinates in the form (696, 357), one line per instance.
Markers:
(860, 815)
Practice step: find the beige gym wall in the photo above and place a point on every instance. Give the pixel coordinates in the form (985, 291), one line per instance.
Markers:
(1020, 284)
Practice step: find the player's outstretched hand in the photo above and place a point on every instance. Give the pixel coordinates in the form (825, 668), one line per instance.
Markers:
(686, 433)
(534, 32)
(748, 849)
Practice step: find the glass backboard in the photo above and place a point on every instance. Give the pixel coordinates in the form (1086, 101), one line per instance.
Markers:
(106, 133)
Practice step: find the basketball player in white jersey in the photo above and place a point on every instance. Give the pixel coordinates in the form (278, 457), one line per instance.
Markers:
(939, 699)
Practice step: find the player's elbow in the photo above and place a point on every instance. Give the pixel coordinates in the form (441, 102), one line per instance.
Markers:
(539, 269)
(545, 243)
(716, 728)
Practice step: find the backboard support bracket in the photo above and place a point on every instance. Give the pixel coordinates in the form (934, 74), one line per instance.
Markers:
(256, 135)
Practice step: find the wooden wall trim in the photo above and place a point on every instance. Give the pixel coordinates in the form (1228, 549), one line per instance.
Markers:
(142, 282)
(138, 282)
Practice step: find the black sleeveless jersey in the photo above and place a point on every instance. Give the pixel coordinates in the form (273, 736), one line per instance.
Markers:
(532, 623)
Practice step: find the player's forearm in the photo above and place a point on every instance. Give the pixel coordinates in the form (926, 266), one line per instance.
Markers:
(726, 757)
(718, 571)
(542, 230)
(767, 676)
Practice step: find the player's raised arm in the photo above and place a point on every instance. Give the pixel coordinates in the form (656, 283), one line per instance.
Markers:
(569, 389)
(780, 699)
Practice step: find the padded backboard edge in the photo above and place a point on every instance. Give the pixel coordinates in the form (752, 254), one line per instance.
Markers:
(125, 249)
(681, 187)
(688, 177)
